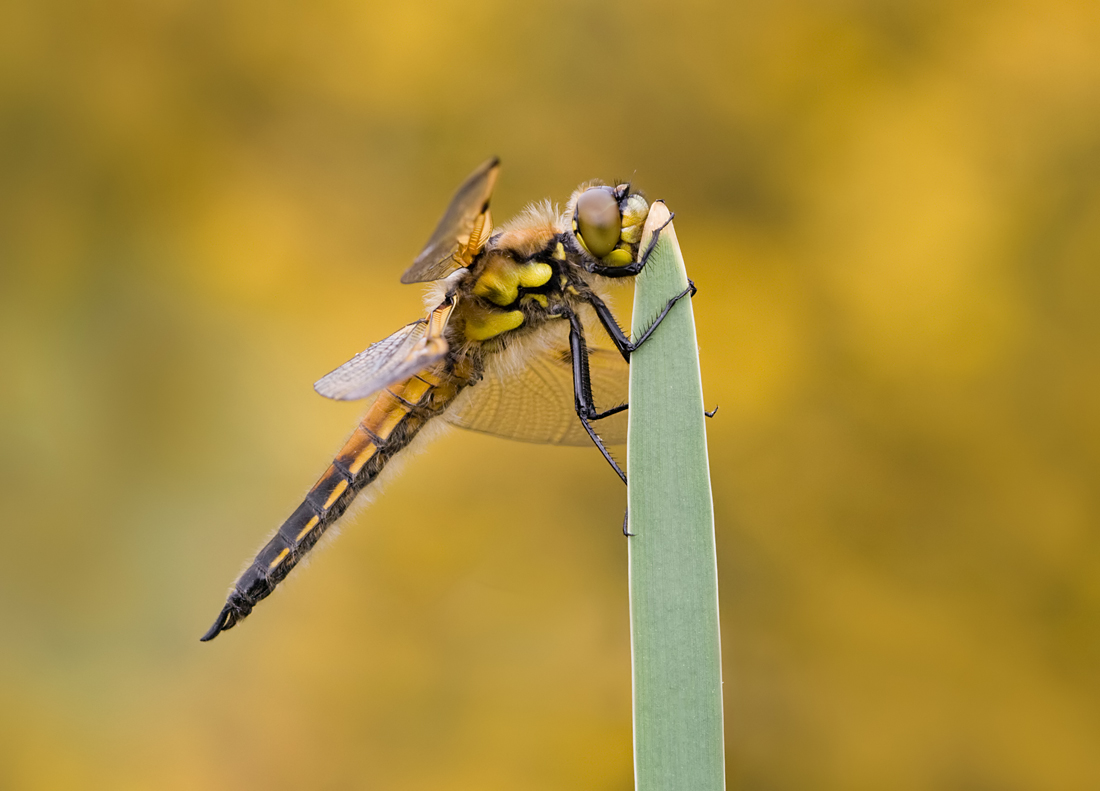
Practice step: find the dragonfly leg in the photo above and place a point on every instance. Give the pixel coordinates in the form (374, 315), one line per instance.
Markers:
(582, 391)
(622, 342)
(609, 412)
(603, 449)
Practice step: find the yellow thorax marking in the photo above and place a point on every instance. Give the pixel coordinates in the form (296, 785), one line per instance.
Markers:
(482, 327)
(502, 279)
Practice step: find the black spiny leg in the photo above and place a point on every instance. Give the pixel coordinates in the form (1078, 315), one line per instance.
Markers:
(615, 332)
(607, 318)
(582, 390)
(582, 385)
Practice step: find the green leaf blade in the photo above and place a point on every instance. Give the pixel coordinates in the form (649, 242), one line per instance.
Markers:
(678, 740)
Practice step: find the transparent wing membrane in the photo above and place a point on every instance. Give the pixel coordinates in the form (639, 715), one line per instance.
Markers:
(381, 364)
(535, 403)
(461, 232)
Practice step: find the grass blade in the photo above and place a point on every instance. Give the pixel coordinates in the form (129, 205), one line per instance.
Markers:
(675, 646)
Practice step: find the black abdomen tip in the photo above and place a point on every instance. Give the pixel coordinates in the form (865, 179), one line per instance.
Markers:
(226, 618)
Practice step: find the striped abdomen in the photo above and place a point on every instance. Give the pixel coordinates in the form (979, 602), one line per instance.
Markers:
(391, 423)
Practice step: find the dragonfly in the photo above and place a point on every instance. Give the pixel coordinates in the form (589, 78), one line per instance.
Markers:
(504, 350)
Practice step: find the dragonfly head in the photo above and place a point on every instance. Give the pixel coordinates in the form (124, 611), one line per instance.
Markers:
(607, 222)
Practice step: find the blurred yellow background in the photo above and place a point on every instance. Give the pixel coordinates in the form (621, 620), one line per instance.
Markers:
(893, 214)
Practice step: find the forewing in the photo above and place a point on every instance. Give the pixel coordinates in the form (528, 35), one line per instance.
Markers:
(535, 403)
(381, 364)
(440, 256)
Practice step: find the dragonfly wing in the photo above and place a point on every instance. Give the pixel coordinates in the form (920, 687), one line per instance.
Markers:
(535, 403)
(461, 232)
(392, 359)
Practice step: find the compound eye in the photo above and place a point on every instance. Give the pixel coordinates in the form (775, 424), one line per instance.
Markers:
(598, 220)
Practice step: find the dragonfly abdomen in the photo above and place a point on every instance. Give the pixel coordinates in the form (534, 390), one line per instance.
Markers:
(394, 419)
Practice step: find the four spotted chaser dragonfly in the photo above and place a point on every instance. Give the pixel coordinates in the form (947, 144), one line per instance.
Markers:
(504, 350)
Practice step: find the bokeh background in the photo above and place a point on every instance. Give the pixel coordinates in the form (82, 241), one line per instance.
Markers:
(893, 213)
